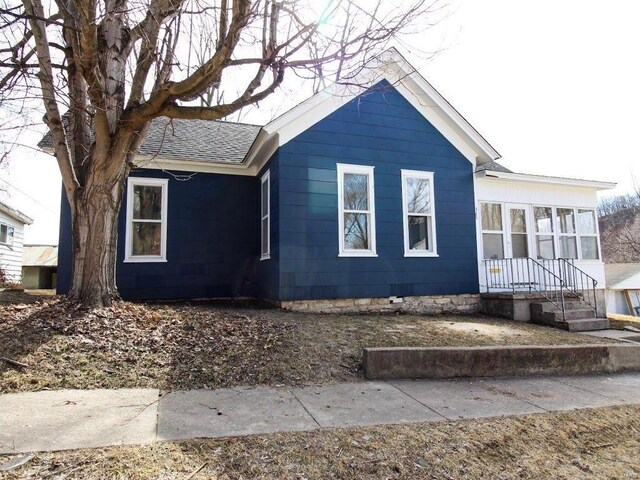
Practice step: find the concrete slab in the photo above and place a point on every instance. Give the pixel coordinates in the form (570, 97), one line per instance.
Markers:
(67, 419)
(623, 387)
(621, 335)
(230, 412)
(548, 394)
(457, 399)
(359, 404)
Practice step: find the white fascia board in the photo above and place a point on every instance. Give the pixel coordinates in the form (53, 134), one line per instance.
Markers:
(631, 283)
(522, 177)
(192, 166)
(411, 85)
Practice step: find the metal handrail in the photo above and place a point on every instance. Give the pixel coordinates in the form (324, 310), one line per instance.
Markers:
(580, 283)
(510, 273)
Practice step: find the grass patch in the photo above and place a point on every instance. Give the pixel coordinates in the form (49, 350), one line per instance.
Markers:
(183, 346)
(595, 444)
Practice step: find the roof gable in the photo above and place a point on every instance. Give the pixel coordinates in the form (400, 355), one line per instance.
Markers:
(394, 69)
(622, 276)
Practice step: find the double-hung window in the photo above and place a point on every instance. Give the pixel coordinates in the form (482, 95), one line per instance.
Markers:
(543, 218)
(492, 231)
(356, 211)
(265, 209)
(146, 239)
(567, 235)
(588, 234)
(418, 214)
(6, 234)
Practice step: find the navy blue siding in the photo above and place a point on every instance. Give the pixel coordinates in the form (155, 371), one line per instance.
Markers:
(267, 277)
(212, 241)
(383, 130)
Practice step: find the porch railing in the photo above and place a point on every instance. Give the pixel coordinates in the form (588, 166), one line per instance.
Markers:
(553, 279)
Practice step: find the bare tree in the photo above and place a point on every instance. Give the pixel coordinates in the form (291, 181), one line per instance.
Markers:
(106, 68)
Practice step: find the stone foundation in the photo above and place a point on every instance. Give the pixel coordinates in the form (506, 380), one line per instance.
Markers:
(428, 304)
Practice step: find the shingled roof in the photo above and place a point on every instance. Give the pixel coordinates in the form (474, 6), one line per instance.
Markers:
(494, 167)
(213, 141)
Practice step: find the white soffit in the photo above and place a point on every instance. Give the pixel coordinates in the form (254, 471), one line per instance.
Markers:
(521, 177)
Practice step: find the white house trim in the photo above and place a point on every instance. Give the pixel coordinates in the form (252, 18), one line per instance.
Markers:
(155, 182)
(408, 252)
(266, 178)
(521, 177)
(364, 170)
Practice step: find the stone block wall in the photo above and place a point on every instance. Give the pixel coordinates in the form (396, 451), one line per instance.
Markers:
(430, 305)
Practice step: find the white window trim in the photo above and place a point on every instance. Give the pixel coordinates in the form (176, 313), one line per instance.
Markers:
(9, 237)
(365, 170)
(266, 178)
(502, 232)
(405, 174)
(595, 235)
(155, 182)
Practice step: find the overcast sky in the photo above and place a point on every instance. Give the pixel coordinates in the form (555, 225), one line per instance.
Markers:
(554, 86)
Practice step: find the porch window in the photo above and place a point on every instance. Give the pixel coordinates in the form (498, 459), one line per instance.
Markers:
(356, 211)
(265, 223)
(492, 231)
(146, 234)
(588, 234)
(568, 239)
(6, 234)
(543, 219)
(418, 214)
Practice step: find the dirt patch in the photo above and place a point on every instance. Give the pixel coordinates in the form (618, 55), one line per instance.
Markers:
(497, 332)
(594, 444)
(182, 346)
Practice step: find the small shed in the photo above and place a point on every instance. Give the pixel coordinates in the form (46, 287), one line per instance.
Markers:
(12, 223)
(40, 266)
(623, 288)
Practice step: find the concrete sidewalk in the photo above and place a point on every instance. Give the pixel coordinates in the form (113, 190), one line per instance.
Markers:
(68, 419)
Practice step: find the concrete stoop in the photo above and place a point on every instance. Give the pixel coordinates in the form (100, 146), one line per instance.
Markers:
(578, 317)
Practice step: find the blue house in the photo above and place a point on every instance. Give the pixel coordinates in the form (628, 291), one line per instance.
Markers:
(377, 198)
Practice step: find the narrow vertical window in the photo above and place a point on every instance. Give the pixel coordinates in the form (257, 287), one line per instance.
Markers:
(356, 211)
(568, 242)
(418, 214)
(492, 231)
(588, 234)
(265, 209)
(6, 234)
(146, 234)
(543, 218)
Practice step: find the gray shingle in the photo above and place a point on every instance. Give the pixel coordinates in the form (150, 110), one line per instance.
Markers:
(212, 141)
(619, 272)
(493, 166)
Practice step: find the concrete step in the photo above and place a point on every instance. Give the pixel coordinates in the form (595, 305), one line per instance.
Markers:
(574, 325)
(573, 314)
(546, 306)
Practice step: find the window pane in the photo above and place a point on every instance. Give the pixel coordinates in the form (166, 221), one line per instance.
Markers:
(491, 216)
(418, 195)
(589, 247)
(518, 220)
(265, 236)
(3, 233)
(419, 233)
(356, 191)
(519, 246)
(587, 221)
(147, 202)
(544, 245)
(566, 220)
(492, 245)
(543, 220)
(356, 231)
(568, 247)
(265, 198)
(146, 238)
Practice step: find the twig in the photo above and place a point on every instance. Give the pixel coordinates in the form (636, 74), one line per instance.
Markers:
(14, 363)
(193, 474)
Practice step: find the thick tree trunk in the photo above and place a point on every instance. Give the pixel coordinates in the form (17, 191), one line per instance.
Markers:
(95, 236)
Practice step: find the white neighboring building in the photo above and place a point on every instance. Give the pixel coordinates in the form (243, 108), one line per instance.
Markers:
(12, 224)
(623, 288)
